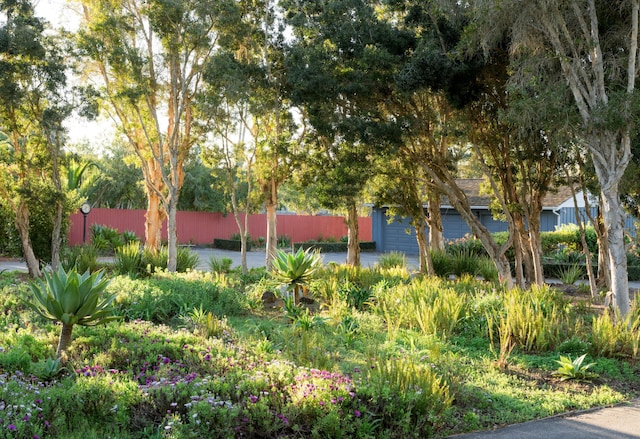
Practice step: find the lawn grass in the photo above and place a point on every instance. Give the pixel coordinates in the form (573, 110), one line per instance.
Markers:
(399, 365)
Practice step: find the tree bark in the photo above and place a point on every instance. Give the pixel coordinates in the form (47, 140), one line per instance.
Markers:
(65, 340)
(22, 223)
(56, 239)
(271, 203)
(436, 235)
(445, 182)
(172, 232)
(614, 222)
(424, 249)
(353, 244)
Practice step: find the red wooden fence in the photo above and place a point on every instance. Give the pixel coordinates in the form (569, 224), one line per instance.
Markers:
(201, 228)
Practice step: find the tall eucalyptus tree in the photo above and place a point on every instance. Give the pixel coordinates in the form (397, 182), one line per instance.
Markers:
(32, 109)
(594, 43)
(149, 57)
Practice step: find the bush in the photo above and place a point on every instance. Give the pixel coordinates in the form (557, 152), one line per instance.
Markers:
(333, 247)
(392, 260)
(105, 239)
(82, 257)
(230, 244)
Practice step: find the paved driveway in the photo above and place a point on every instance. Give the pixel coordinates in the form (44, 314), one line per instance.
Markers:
(255, 259)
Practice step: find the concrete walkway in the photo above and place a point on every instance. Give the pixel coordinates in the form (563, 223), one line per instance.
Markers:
(618, 422)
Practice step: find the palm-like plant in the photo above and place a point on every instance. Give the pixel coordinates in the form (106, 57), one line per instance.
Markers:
(295, 269)
(73, 299)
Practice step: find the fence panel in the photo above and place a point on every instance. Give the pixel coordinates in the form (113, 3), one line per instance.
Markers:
(200, 228)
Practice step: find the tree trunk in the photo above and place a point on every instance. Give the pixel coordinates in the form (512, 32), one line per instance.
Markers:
(271, 203)
(65, 339)
(519, 250)
(153, 222)
(535, 248)
(56, 239)
(155, 214)
(436, 235)
(353, 244)
(22, 223)
(614, 223)
(445, 182)
(426, 263)
(172, 233)
(604, 275)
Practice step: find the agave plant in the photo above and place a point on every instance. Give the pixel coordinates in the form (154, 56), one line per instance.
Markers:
(73, 299)
(295, 269)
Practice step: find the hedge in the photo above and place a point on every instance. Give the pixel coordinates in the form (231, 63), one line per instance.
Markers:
(230, 244)
(333, 247)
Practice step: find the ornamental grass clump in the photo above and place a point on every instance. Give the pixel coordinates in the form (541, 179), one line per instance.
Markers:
(72, 299)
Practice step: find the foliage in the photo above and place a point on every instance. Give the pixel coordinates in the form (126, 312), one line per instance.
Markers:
(536, 319)
(106, 239)
(82, 258)
(134, 260)
(571, 274)
(222, 265)
(164, 298)
(295, 269)
(392, 259)
(336, 372)
(574, 370)
(72, 299)
(129, 259)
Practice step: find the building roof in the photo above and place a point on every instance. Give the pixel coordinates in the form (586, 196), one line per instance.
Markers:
(471, 187)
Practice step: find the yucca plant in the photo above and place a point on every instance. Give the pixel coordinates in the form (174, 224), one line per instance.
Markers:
(295, 269)
(73, 299)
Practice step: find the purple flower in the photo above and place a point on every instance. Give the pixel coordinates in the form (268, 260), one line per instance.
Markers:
(357, 413)
(253, 399)
(46, 424)
(12, 427)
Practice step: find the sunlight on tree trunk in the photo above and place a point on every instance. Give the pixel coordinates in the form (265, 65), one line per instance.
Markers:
(353, 244)
(22, 223)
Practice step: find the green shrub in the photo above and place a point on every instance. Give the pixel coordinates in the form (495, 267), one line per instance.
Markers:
(15, 359)
(571, 274)
(82, 257)
(392, 260)
(466, 245)
(186, 260)
(222, 265)
(128, 260)
(441, 263)
(574, 369)
(167, 297)
(332, 247)
(105, 239)
(230, 244)
(420, 397)
(487, 270)
(537, 318)
(72, 299)
(464, 261)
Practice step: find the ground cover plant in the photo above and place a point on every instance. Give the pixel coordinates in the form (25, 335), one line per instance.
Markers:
(377, 352)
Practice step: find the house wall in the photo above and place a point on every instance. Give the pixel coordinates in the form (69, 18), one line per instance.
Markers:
(398, 235)
(567, 215)
(201, 228)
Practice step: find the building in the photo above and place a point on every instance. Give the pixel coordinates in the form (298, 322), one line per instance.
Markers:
(398, 235)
